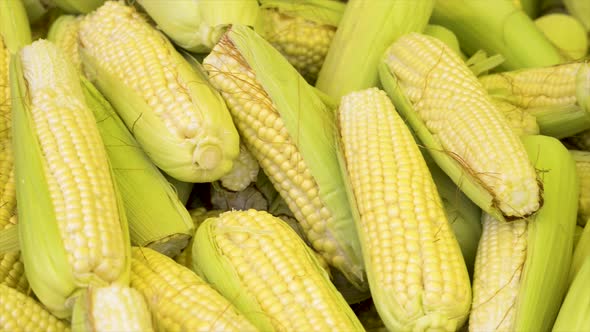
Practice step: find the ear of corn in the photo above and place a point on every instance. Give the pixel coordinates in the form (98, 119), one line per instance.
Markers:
(14, 34)
(521, 267)
(574, 314)
(582, 159)
(21, 313)
(407, 242)
(490, 25)
(366, 29)
(111, 309)
(269, 274)
(197, 25)
(156, 217)
(178, 119)
(558, 96)
(72, 226)
(289, 130)
(302, 31)
(77, 6)
(9, 239)
(456, 121)
(63, 32)
(580, 9)
(198, 215)
(244, 172)
(179, 299)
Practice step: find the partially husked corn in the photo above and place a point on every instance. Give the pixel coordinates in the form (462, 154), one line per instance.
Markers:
(458, 112)
(21, 313)
(179, 299)
(416, 272)
(64, 34)
(178, 119)
(289, 130)
(274, 279)
(73, 230)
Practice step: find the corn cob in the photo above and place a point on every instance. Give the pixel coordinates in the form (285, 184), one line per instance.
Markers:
(269, 101)
(14, 34)
(178, 119)
(244, 172)
(302, 31)
(406, 239)
(455, 119)
(566, 33)
(63, 32)
(179, 299)
(72, 226)
(574, 314)
(344, 69)
(197, 25)
(114, 308)
(155, 215)
(582, 159)
(521, 267)
(521, 121)
(12, 271)
(558, 96)
(272, 277)
(19, 312)
(198, 215)
(9, 240)
(489, 25)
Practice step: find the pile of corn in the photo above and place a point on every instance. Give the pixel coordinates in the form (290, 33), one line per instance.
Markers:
(294, 165)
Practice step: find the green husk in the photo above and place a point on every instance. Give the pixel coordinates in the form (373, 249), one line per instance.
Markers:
(14, 25)
(366, 29)
(44, 256)
(580, 253)
(566, 33)
(544, 278)
(157, 218)
(62, 31)
(463, 215)
(77, 6)
(574, 314)
(491, 26)
(579, 9)
(465, 182)
(203, 158)
(197, 25)
(446, 36)
(582, 159)
(295, 100)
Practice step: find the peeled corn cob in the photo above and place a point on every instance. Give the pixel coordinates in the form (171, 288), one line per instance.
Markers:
(521, 267)
(558, 96)
(416, 273)
(521, 122)
(287, 127)
(270, 274)
(19, 312)
(178, 119)
(72, 227)
(455, 119)
(179, 299)
(366, 29)
(63, 32)
(302, 31)
(197, 25)
(113, 308)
